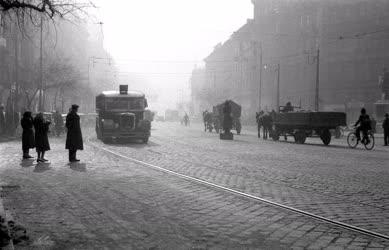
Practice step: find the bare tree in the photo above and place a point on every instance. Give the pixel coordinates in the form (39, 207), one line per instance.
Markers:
(49, 9)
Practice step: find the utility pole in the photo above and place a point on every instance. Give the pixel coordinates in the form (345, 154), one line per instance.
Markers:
(41, 68)
(317, 80)
(15, 85)
(278, 87)
(260, 74)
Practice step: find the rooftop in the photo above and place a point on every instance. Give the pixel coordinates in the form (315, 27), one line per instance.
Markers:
(113, 93)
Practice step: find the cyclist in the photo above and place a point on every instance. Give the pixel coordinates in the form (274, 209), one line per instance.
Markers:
(364, 123)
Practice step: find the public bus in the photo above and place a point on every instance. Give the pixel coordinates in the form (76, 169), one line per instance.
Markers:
(120, 115)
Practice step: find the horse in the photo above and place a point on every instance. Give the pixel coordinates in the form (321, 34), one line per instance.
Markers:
(267, 125)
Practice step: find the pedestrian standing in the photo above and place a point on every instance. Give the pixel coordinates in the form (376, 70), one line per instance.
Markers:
(385, 126)
(74, 136)
(2, 120)
(41, 139)
(28, 140)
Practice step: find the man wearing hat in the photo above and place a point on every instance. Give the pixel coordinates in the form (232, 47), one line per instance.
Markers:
(385, 126)
(74, 136)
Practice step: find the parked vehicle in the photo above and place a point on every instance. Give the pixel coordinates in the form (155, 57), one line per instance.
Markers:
(120, 115)
(306, 124)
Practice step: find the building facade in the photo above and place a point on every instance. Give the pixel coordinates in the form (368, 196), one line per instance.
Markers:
(329, 53)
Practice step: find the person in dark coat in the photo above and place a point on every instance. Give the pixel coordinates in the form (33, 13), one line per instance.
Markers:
(385, 126)
(364, 123)
(28, 140)
(74, 136)
(41, 139)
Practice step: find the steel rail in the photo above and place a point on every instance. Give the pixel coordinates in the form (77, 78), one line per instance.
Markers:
(252, 197)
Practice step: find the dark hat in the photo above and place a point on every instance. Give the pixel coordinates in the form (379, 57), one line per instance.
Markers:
(75, 106)
(386, 115)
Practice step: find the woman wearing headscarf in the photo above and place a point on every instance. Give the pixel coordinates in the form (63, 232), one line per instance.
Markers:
(28, 140)
(41, 139)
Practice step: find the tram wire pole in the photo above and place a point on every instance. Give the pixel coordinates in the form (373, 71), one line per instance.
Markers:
(278, 87)
(260, 75)
(317, 85)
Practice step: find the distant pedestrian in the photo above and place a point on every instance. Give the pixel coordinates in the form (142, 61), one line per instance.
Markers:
(186, 119)
(58, 123)
(2, 120)
(373, 125)
(74, 136)
(385, 126)
(41, 139)
(28, 140)
(259, 119)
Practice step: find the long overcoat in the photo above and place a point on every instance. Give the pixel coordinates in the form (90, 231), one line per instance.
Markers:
(28, 140)
(41, 139)
(74, 135)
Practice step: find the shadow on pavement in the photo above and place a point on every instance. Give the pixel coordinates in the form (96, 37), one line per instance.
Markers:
(76, 166)
(27, 163)
(42, 167)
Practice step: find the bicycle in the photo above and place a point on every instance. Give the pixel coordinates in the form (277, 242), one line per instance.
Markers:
(368, 141)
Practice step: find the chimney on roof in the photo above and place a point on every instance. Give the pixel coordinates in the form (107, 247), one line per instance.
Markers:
(123, 89)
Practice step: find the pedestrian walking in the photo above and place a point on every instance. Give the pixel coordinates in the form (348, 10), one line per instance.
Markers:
(74, 136)
(385, 126)
(28, 140)
(2, 120)
(41, 139)
(58, 123)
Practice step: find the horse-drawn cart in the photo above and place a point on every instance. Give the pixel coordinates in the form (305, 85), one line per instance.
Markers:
(236, 111)
(306, 124)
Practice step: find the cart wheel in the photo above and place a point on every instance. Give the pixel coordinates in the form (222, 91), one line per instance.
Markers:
(326, 137)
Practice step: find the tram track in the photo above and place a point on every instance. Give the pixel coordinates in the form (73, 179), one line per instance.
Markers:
(242, 194)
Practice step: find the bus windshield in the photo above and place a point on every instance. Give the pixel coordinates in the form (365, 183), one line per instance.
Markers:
(124, 104)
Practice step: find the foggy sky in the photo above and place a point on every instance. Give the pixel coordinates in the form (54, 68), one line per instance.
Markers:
(161, 41)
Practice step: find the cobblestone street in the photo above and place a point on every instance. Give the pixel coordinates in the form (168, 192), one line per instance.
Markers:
(109, 202)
